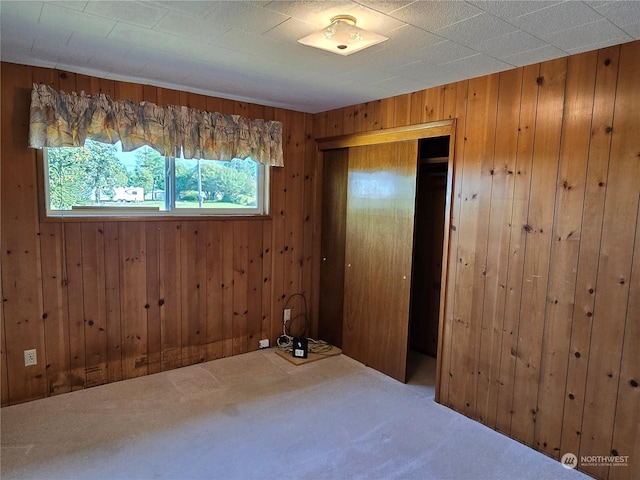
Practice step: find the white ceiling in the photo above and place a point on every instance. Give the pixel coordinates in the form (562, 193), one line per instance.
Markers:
(248, 50)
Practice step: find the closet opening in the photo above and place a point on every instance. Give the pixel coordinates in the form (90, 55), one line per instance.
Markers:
(427, 264)
(372, 184)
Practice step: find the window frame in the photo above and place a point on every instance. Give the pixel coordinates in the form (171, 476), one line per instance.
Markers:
(138, 213)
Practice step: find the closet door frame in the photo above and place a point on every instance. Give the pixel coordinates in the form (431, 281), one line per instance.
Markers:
(399, 134)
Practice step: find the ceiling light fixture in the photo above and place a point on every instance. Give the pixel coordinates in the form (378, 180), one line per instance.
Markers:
(342, 37)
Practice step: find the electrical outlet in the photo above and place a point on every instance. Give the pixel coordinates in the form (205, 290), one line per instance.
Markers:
(30, 357)
(287, 315)
(264, 343)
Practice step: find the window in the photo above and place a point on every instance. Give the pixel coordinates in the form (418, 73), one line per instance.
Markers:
(101, 179)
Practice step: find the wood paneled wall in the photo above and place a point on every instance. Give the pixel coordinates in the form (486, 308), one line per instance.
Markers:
(105, 301)
(542, 321)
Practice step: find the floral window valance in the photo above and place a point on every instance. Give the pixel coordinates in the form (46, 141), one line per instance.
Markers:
(60, 119)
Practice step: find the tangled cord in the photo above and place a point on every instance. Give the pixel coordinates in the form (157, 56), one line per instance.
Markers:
(285, 341)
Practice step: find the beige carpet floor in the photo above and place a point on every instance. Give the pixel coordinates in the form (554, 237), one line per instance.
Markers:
(257, 416)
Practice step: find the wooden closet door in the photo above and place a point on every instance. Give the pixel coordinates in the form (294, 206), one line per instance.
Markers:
(378, 253)
(334, 222)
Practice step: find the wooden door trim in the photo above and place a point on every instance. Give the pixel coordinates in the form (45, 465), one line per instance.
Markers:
(388, 135)
(399, 134)
(445, 260)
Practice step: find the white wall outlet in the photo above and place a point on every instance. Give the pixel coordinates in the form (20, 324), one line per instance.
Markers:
(30, 357)
(264, 343)
(287, 315)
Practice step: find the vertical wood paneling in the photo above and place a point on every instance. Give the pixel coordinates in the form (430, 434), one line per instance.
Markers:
(519, 212)
(348, 120)
(486, 149)
(502, 189)
(107, 87)
(333, 125)
(112, 300)
(455, 107)
(214, 292)
(261, 238)
(368, 117)
(67, 81)
(166, 96)
(240, 287)
(195, 100)
(614, 273)
(294, 221)
(558, 310)
(402, 110)
(154, 324)
(4, 372)
(278, 213)
(565, 243)
(433, 108)
(93, 291)
(215, 105)
(387, 112)
(89, 85)
(537, 230)
(193, 274)
(133, 295)
(123, 302)
(475, 201)
(170, 294)
(626, 433)
(149, 93)
(320, 123)
(267, 286)
(254, 285)
(131, 91)
(228, 245)
(311, 232)
(75, 296)
(239, 108)
(45, 76)
(416, 107)
(587, 272)
(23, 325)
(54, 308)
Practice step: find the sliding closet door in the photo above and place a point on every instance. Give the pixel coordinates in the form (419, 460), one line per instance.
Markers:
(378, 253)
(334, 223)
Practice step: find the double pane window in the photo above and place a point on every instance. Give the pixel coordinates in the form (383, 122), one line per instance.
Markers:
(100, 179)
